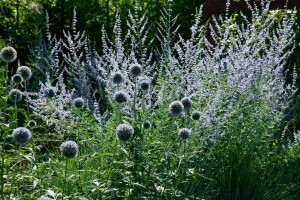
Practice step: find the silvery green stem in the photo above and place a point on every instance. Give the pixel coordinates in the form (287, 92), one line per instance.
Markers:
(134, 99)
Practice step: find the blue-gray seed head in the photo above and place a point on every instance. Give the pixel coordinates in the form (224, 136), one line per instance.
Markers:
(124, 132)
(135, 70)
(25, 72)
(121, 96)
(21, 135)
(146, 124)
(184, 133)
(176, 108)
(15, 95)
(145, 83)
(69, 149)
(17, 79)
(8, 54)
(78, 102)
(31, 123)
(196, 115)
(44, 198)
(117, 78)
(187, 103)
(49, 92)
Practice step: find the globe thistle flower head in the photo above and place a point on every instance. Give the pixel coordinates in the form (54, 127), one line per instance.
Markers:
(124, 132)
(21, 135)
(17, 79)
(196, 115)
(184, 133)
(49, 92)
(44, 198)
(135, 70)
(117, 78)
(121, 96)
(15, 95)
(78, 102)
(31, 123)
(8, 54)
(69, 149)
(25, 72)
(187, 103)
(176, 108)
(146, 124)
(145, 83)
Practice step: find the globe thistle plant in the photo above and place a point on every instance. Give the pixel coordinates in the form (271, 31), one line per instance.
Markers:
(17, 79)
(196, 115)
(117, 78)
(135, 70)
(49, 92)
(8, 54)
(124, 132)
(176, 108)
(78, 102)
(15, 95)
(145, 83)
(146, 124)
(31, 123)
(184, 133)
(187, 103)
(69, 149)
(25, 72)
(44, 198)
(21, 135)
(121, 96)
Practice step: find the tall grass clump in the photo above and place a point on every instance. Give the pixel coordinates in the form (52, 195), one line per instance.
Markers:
(193, 118)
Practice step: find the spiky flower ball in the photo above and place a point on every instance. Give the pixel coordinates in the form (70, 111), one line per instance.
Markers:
(117, 78)
(21, 135)
(135, 70)
(44, 198)
(187, 103)
(184, 133)
(145, 83)
(17, 79)
(78, 102)
(176, 108)
(146, 124)
(31, 123)
(196, 115)
(69, 149)
(25, 72)
(49, 92)
(124, 132)
(8, 54)
(15, 95)
(121, 96)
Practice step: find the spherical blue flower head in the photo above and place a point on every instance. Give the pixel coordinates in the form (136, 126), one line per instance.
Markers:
(196, 115)
(78, 102)
(8, 54)
(121, 96)
(146, 124)
(124, 132)
(17, 79)
(31, 123)
(176, 108)
(135, 70)
(44, 198)
(145, 83)
(69, 149)
(49, 92)
(117, 78)
(15, 95)
(184, 133)
(25, 72)
(21, 135)
(187, 103)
